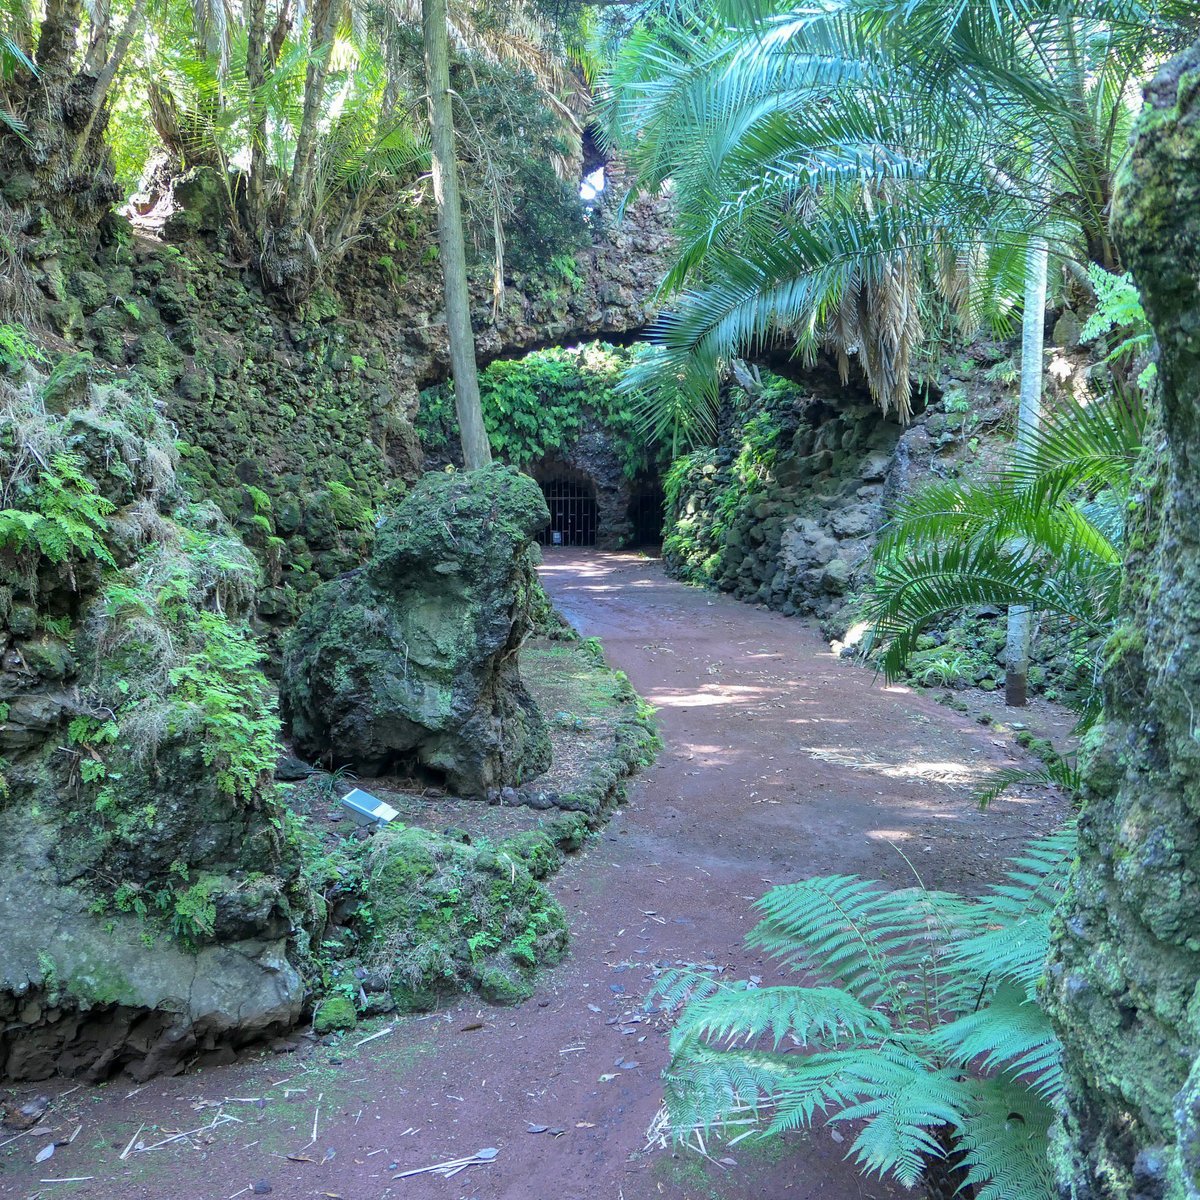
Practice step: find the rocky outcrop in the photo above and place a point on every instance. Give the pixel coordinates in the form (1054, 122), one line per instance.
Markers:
(296, 421)
(784, 510)
(147, 899)
(411, 660)
(1124, 976)
(94, 994)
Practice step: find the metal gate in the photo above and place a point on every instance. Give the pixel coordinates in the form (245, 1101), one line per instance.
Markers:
(572, 505)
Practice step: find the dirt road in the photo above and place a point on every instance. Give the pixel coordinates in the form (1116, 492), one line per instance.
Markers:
(780, 762)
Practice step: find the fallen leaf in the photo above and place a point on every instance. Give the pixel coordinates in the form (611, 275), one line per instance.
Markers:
(537, 1128)
(300, 1158)
(585, 1124)
(44, 1153)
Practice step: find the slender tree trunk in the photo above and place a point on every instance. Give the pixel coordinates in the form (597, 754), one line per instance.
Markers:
(1016, 670)
(325, 14)
(108, 74)
(476, 450)
(256, 64)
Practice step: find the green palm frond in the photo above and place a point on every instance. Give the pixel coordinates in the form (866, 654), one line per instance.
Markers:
(831, 163)
(1046, 532)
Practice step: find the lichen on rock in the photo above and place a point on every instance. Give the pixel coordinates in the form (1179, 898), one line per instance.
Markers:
(412, 660)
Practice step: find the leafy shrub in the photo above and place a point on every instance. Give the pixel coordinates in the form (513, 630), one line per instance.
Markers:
(918, 1021)
(1046, 532)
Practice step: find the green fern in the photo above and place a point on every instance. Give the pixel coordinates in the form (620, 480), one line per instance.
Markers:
(64, 516)
(919, 1025)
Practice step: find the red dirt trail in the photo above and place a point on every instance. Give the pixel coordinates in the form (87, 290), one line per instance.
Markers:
(780, 762)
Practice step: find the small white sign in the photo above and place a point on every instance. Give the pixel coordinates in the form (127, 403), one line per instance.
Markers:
(367, 809)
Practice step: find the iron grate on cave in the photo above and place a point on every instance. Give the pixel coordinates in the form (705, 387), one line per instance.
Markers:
(572, 505)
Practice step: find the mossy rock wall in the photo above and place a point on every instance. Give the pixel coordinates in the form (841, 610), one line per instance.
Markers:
(782, 510)
(1124, 976)
(137, 742)
(297, 422)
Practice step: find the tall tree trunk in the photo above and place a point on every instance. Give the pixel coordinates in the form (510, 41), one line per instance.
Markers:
(1029, 418)
(324, 26)
(1124, 971)
(476, 450)
(256, 74)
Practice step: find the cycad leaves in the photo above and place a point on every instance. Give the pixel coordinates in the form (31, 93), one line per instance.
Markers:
(920, 1021)
(1045, 533)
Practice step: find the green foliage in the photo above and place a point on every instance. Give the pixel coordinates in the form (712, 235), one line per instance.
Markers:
(1119, 309)
(65, 516)
(17, 348)
(918, 1023)
(538, 405)
(696, 538)
(844, 172)
(1046, 533)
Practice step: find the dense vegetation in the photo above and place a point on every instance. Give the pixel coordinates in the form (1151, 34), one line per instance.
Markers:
(214, 218)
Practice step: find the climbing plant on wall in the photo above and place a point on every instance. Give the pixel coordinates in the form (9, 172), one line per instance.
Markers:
(539, 405)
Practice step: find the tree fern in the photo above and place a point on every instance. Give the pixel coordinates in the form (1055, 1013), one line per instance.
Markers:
(918, 1025)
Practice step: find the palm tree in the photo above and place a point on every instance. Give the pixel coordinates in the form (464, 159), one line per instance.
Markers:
(835, 166)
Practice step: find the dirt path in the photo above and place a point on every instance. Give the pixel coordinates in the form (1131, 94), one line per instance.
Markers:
(780, 762)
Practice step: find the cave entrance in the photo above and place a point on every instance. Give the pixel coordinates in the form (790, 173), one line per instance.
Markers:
(646, 513)
(571, 498)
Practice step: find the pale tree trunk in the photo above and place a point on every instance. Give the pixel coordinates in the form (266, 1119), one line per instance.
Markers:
(1029, 418)
(452, 248)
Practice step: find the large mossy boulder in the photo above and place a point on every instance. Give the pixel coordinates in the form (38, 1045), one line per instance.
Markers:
(410, 662)
(1123, 981)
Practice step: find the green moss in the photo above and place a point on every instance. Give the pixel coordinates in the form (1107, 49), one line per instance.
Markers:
(334, 1013)
(444, 916)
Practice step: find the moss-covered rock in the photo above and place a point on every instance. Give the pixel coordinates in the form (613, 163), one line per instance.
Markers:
(412, 659)
(334, 1013)
(1124, 974)
(446, 916)
(138, 739)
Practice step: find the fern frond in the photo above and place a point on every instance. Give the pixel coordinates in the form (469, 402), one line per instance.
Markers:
(740, 1012)
(1010, 1034)
(882, 946)
(1005, 1144)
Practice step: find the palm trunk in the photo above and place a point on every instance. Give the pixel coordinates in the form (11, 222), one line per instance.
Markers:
(1016, 673)
(476, 450)
(256, 50)
(324, 26)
